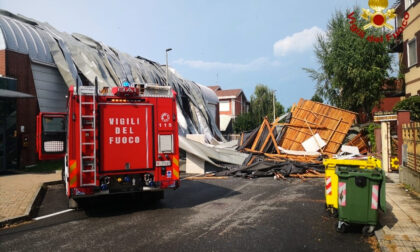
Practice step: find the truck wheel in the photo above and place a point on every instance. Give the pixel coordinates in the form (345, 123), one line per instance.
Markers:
(73, 204)
(158, 195)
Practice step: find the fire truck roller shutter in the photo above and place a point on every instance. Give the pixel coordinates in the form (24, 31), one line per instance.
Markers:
(126, 137)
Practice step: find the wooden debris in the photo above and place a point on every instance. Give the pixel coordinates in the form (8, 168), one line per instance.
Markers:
(308, 119)
(306, 159)
(205, 177)
(251, 161)
(279, 176)
(306, 175)
(314, 172)
(270, 136)
(360, 141)
(298, 176)
(336, 121)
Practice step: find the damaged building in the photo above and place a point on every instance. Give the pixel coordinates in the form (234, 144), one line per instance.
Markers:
(39, 63)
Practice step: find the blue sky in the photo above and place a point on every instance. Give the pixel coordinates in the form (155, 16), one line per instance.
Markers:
(234, 44)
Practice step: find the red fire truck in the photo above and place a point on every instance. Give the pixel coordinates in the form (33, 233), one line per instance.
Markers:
(119, 140)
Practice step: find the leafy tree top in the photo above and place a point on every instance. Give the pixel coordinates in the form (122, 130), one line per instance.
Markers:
(352, 68)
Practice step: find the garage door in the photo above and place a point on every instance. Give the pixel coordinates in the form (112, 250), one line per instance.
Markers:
(50, 88)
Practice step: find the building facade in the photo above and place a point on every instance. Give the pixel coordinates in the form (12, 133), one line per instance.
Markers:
(232, 103)
(408, 19)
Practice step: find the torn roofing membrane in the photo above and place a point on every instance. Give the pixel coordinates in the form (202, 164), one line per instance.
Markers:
(76, 55)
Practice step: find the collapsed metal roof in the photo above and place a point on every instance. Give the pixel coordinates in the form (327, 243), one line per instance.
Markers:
(76, 55)
(24, 38)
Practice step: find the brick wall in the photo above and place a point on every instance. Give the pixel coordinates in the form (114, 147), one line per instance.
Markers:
(3, 62)
(18, 66)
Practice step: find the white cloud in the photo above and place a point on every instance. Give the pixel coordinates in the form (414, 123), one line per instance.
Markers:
(215, 65)
(297, 42)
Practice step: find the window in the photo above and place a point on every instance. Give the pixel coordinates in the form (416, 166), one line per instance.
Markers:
(54, 124)
(412, 52)
(399, 22)
(224, 106)
(408, 3)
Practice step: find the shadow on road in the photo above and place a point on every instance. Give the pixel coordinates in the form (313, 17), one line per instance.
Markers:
(388, 218)
(190, 194)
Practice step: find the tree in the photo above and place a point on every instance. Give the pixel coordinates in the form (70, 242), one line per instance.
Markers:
(352, 69)
(317, 98)
(244, 122)
(261, 105)
(412, 104)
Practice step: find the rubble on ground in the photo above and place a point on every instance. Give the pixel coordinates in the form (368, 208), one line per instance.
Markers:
(295, 144)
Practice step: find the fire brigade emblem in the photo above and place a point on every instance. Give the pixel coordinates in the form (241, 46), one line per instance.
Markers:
(378, 18)
(164, 117)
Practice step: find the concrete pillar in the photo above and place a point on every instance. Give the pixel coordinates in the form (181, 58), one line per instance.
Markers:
(385, 138)
(403, 117)
(195, 164)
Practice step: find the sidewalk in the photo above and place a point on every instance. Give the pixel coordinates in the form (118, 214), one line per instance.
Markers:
(19, 191)
(401, 223)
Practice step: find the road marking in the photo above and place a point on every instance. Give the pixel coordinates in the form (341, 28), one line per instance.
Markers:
(53, 214)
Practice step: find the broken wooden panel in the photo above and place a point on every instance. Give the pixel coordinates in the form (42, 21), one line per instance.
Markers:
(265, 138)
(360, 141)
(331, 123)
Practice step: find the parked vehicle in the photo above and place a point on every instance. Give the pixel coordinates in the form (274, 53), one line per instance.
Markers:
(119, 140)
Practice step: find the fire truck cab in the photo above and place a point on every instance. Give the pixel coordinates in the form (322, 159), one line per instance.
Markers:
(120, 140)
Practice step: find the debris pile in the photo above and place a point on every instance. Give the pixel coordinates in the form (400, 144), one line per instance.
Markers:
(295, 144)
(360, 141)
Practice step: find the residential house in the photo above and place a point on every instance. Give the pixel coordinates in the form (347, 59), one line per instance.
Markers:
(232, 103)
(408, 43)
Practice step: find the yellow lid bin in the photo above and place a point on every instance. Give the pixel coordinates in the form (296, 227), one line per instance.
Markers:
(331, 179)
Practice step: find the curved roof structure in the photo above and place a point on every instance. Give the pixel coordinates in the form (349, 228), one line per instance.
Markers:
(76, 54)
(24, 38)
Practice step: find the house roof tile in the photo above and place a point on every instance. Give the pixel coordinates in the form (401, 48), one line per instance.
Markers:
(229, 92)
(215, 88)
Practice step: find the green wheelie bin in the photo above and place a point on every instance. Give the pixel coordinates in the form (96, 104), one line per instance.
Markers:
(361, 192)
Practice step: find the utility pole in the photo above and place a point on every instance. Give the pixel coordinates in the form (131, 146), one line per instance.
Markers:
(274, 106)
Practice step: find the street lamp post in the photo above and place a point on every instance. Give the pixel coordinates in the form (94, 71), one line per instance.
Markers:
(167, 50)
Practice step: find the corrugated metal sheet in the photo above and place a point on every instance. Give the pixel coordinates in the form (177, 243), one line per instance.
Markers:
(224, 122)
(26, 39)
(78, 54)
(50, 88)
(2, 40)
(209, 95)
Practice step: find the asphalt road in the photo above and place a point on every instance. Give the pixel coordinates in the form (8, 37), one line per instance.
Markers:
(233, 214)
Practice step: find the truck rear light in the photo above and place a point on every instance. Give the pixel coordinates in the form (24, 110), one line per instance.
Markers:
(166, 143)
(163, 163)
(54, 146)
